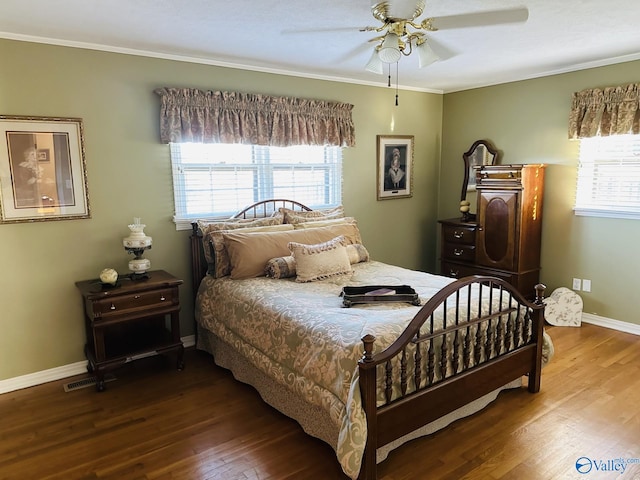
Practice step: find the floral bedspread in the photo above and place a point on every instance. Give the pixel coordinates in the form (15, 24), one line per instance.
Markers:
(302, 336)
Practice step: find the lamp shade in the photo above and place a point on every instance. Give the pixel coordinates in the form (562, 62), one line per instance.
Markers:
(389, 50)
(426, 56)
(375, 64)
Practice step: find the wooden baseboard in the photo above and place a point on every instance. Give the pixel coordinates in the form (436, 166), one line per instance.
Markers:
(58, 373)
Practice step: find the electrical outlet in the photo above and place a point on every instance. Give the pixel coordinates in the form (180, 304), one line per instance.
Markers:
(586, 285)
(577, 283)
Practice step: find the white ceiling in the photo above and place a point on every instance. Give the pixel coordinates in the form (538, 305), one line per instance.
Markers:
(290, 36)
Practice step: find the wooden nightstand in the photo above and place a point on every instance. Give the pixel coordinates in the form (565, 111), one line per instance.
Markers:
(133, 318)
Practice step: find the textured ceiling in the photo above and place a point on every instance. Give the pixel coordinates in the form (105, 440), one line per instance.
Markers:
(322, 39)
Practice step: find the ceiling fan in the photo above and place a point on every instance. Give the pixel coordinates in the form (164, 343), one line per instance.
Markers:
(401, 33)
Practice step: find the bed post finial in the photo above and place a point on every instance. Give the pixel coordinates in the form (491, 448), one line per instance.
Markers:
(540, 288)
(368, 340)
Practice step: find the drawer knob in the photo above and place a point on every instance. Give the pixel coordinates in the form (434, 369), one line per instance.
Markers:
(136, 296)
(162, 299)
(454, 273)
(458, 252)
(112, 307)
(458, 234)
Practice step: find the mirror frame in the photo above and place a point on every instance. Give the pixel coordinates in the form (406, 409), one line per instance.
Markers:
(469, 162)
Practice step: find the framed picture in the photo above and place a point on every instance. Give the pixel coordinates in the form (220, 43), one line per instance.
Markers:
(395, 166)
(42, 169)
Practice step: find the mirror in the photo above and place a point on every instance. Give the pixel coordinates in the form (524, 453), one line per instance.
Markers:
(482, 152)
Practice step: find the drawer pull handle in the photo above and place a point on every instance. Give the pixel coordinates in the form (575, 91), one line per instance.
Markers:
(136, 296)
(457, 252)
(162, 299)
(112, 307)
(454, 273)
(458, 234)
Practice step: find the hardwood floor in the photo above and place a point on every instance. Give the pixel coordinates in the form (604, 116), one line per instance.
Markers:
(154, 422)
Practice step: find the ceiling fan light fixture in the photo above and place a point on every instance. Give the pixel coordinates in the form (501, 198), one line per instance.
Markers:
(374, 64)
(426, 55)
(389, 50)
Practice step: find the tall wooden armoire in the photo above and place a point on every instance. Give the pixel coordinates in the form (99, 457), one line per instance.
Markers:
(504, 239)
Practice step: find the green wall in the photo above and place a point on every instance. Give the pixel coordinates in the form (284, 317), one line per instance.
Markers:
(129, 175)
(528, 122)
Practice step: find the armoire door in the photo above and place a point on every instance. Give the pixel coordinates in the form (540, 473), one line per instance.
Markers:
(498, 227)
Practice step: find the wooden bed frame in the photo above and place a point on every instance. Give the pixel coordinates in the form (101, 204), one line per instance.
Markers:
(504, 345)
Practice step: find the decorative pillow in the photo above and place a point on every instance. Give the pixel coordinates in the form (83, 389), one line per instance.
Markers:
(285, 267)
(348, 223)
(249, 252)
(321, 222)
(220, 257)
(232, 223)
(295, 216)
(320, 261)
(281, 267)
(206, 227)
(357, 253)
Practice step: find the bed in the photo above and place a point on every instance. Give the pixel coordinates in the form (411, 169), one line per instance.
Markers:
(349, 374)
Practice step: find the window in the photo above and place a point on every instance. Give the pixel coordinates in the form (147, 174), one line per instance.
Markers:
(609, 177)
(216, 180)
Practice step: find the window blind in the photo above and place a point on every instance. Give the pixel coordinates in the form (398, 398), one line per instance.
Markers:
(609, 177)
(216, 180)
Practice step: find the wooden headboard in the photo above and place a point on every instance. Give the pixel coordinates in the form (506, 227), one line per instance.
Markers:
(262, 209)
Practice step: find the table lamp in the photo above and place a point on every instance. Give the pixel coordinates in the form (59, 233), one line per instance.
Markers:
(136, 243)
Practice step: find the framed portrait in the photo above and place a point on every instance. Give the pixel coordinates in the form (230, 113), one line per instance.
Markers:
(42, 169)
(395, 166)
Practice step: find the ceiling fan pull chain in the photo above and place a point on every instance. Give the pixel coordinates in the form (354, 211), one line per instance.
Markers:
(389, 77)
(397, 80)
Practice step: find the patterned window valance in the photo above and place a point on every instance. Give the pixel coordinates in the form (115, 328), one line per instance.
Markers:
(604, 112)
(191, 115)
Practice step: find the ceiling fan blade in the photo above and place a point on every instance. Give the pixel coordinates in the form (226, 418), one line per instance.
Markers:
(354, 52)
(479, 19)
(324, 30)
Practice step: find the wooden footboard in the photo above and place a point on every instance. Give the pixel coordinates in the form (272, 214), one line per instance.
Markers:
(442, 362)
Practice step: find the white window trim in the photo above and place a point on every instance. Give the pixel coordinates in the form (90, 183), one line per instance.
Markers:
(605, 213)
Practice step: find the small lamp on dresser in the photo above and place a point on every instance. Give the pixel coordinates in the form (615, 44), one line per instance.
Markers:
(136, 243)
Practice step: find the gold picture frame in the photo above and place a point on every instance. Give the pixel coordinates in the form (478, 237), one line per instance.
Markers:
(42, 169)
(395, 166)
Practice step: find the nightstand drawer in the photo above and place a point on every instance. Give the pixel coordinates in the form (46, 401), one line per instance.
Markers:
(459, 234)
(459, 252)
(120, 304)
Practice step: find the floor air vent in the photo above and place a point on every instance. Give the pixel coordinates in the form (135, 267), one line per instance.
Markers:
(86, 382)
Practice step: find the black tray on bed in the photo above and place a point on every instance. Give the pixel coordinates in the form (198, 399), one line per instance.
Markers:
(403, 293)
